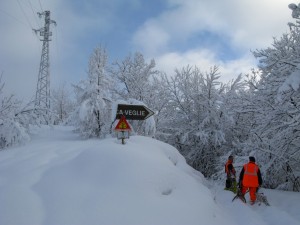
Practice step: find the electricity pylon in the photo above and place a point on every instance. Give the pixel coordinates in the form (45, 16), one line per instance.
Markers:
(42, 97)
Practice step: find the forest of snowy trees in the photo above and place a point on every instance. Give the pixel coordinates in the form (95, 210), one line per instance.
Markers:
(256, 114)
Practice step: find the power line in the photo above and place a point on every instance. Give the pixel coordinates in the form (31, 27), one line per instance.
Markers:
(34, 13)
(41, 6)
(8, 14)
(25, 14)
(27, 25)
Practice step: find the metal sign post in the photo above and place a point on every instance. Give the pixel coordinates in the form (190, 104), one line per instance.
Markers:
(130, 112)
(122, 129)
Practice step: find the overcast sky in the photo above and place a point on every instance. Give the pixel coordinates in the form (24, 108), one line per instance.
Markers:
(175, 33)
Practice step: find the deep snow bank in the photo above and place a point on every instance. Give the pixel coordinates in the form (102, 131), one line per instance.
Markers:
(60, 179)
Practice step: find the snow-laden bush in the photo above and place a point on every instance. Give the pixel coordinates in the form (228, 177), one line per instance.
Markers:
(11, 133)
(13, 120)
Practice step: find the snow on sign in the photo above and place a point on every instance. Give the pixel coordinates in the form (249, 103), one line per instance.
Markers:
(133, 112)
(122, 125)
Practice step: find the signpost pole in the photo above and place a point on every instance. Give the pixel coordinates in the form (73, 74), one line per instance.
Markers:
(123, 138)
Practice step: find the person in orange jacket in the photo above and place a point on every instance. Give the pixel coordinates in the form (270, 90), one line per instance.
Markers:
(229, 169)
(250, 178)
(231, 174)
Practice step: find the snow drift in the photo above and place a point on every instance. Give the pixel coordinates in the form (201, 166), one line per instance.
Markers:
(59, 179)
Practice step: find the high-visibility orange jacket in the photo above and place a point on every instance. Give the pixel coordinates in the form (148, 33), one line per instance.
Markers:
(229, 169)
(250, 175)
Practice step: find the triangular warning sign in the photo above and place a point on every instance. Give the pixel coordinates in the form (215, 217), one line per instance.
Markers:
(122, 125)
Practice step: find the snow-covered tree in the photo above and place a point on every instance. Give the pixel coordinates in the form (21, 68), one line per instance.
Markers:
(160, 102)
(133, 75)
(13, 120)
(236, 119)
(134, 83)
(196, 122)
(92, 117)
(275, 135)
(62, 104)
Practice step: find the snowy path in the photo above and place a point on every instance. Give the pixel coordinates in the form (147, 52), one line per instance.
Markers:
(59, 179)
(22, 167)
(284, 208)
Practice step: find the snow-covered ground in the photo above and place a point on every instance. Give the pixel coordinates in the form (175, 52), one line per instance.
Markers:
(59, 179)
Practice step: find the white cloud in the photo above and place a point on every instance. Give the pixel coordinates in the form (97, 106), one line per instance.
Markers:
(205, 59)
(231, 69)
(254, 23)
(151, 35)
(249, 23)
(174, 60)
(246, 24)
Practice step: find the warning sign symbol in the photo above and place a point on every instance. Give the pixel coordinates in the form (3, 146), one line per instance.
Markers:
(123, 125)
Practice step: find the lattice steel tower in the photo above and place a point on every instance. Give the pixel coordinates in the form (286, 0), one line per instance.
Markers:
(42, 98)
